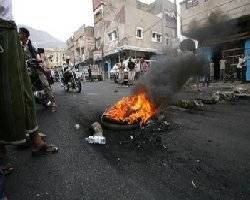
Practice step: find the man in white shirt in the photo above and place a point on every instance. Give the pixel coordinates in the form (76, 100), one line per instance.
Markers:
(239, 67)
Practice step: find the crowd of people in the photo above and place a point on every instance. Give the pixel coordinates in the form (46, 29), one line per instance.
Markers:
(131, 70)
(228, 72)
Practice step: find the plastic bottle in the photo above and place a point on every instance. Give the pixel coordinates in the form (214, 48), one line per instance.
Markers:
(96, 140)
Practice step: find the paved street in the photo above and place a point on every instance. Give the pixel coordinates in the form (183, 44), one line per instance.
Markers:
(206, 154)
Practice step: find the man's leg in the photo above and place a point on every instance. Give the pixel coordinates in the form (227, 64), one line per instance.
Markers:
(47, 89)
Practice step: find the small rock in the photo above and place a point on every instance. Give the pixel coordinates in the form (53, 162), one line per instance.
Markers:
(38, 195)
(131, 137)
(197, 161)
(118, 159)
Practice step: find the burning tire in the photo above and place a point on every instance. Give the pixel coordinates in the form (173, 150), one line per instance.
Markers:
(117, 125)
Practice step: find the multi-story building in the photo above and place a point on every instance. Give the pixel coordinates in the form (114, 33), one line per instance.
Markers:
(222, 28)
(126, 28)
(55, 56)
(80, 46)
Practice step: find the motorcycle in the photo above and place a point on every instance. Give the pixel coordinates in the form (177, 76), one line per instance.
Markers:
(71, 81)
(37, 86)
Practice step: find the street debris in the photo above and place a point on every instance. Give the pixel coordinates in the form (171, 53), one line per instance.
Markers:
(77, 126)
(241, 92)
(97, 128)
(96, 140)
(189, 104)
(223, 96)
(194, 184)
(97, 137)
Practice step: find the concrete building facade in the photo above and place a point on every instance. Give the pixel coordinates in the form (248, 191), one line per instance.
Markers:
(126, 28)
(81, 45)
(55, 56)
(222, 28)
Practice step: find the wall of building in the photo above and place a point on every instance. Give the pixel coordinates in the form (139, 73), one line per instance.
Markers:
(55, 56)
(202, 9)
(124, 17)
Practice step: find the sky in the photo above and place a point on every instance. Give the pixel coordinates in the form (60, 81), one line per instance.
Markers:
(60, 18)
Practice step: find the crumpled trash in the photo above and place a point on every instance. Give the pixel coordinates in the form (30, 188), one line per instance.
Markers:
(96, 140)
(77, 126)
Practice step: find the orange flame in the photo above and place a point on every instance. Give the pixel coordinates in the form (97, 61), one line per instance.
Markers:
(137, 108)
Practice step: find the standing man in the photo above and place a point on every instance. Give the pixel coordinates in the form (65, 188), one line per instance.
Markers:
(137, 69)
(222, 68)
(131, 71)
(121, 68)
(30, 53)
(90, 74)
(239, 68)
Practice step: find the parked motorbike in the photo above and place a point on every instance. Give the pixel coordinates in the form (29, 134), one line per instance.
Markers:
(37, 86)
(71, 81)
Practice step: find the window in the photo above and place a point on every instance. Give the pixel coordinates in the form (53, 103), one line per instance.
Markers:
(98, 43)
(139, 33)
(112, 36)
(191, 3)
(167, 41)
(156, 37)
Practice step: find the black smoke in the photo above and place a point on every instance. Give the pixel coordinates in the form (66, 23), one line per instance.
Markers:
(168, 75)
(218, 25)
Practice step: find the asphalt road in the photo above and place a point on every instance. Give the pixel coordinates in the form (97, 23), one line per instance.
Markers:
(205, 155)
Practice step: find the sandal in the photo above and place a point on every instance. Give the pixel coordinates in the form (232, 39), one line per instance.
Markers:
(44, 150)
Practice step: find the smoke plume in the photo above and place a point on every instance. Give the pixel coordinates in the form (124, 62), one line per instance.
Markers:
(218, 25)
(168, 75)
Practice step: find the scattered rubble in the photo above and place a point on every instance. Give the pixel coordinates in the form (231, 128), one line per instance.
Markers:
(241, 92)
(189, 104)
